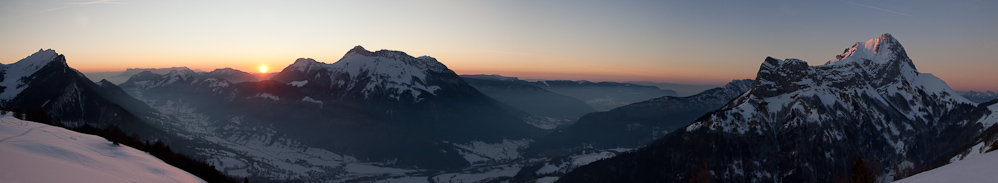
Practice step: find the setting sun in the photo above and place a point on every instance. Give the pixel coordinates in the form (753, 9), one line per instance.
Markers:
(263, 69)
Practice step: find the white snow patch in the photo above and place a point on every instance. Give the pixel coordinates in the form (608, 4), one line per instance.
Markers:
(371, 169)
(478, 151)
(577, 160)
(405, 179)
(299, 83)
(991, 119)
(310, 99)
(268, 96)
(547, 180)
(492, 172)
(547, 123)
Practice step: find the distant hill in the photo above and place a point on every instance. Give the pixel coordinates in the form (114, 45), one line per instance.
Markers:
(682, 90)
(601, 96)
(979, 97)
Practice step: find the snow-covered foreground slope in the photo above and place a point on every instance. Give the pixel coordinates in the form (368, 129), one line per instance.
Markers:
(35, 152)
(976, 169)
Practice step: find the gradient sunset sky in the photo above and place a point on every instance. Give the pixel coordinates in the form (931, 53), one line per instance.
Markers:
(692, 42)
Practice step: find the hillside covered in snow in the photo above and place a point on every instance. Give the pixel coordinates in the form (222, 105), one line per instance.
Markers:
(35, 152)
(976, 169)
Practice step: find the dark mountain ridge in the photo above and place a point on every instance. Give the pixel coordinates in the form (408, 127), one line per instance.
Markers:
(44, 82)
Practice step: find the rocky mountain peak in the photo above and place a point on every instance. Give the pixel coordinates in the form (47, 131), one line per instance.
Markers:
(881, 50)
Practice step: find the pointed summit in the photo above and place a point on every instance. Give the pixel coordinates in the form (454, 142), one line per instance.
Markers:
(883, 48)
(104, 83)
(36, 60)
(358, 49)
(13, 74)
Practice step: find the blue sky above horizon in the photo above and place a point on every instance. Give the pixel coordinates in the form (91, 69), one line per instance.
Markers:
(693, 42)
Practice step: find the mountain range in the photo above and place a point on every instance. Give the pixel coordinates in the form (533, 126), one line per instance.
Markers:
(118, 77)
(386, 115)
(802, 123)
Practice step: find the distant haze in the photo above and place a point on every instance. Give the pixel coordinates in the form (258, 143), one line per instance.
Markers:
(687, 42)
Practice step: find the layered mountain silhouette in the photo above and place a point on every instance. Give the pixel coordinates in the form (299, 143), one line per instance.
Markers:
(606, 134)
(546, 109)
(636, 124)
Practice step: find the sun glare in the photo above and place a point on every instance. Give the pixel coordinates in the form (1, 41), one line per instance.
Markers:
(263, 69)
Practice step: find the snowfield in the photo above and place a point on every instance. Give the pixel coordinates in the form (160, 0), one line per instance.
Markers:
(35, 152)
(977, 169)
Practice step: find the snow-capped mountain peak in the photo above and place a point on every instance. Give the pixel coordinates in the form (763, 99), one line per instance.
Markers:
(34, 62)
(385, 60)
(878, 69)
(389, 70)
(819, 119)
(390, 73)
(305, 65)
(14, 74)
(881, 48)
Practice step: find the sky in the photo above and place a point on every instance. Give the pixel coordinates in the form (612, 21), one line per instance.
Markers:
(689, 42)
